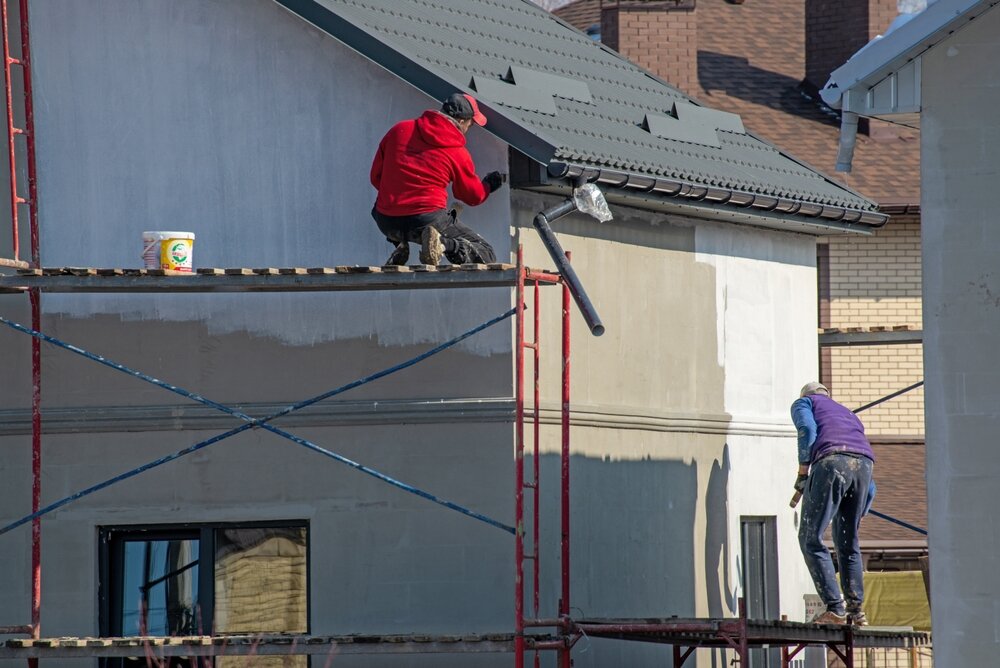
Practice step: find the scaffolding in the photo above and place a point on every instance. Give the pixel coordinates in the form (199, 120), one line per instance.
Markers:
(532, 633)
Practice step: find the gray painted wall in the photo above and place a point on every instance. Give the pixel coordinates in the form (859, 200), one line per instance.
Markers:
(960, 142)
(237, 121)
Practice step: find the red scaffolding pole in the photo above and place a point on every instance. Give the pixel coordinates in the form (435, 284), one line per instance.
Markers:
(522, 554)
(564, 653)
(16, 200)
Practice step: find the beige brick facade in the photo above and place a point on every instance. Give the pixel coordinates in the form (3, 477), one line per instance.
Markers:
(860, 374)
(875, 282)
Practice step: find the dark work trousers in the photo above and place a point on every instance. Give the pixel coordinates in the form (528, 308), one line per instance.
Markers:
(836, 491)
(461, 244)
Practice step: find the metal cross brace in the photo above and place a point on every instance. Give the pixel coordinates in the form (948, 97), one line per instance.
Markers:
(252, 423)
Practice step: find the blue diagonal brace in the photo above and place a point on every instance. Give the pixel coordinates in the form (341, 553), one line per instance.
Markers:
(252, 422)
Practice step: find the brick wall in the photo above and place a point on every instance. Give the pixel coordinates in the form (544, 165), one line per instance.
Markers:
(860, 374)
(875, 281)
(836, 29)
(661, 37)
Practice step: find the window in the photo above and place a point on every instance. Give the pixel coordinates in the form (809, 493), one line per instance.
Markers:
(203, 580)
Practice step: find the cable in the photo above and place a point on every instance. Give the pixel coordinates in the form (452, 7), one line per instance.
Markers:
(871, 405)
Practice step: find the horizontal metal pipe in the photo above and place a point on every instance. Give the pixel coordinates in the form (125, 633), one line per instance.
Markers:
(558, 256)
(548, 644)
(542, 276)
(15, 264)
(16, 630)
(680, 627)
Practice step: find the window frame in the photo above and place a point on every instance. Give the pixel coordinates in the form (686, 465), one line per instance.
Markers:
(111, 539)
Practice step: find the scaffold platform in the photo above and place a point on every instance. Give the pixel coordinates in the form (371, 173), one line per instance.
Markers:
(742, 634)
(257, 645)
(266, 279)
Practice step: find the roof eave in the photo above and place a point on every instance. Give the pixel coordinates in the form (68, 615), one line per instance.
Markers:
(720, 204)
(878, 60)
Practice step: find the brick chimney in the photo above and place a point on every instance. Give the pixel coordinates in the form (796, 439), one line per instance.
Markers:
(658, 35)
(836, 29)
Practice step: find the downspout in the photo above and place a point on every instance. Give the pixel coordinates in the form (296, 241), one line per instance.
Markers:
(558, 255)
(848, 138)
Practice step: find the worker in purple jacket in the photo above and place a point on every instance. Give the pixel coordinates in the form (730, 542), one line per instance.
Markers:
(835, 479)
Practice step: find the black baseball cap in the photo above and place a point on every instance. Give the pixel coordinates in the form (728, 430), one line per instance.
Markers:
(463, 107)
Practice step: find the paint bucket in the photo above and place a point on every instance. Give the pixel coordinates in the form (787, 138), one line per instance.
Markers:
(814, 606)
(168, 250)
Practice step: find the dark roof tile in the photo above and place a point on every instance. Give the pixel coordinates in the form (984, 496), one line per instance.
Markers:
(902, 493)
(751, 60)
(485, 37)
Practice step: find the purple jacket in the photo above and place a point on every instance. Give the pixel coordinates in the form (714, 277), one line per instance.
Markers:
(836, 428)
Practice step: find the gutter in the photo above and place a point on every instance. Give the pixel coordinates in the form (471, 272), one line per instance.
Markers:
(719, 203)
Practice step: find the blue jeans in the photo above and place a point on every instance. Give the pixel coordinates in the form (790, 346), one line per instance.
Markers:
(836, 491)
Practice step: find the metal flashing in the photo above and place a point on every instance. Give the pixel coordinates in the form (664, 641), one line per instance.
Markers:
(553, 84)
(668, 127)
(713, 118)
(509, 95)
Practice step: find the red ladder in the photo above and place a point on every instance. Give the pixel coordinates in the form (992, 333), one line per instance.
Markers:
(523, 555)
(13, 131)
(31, 202)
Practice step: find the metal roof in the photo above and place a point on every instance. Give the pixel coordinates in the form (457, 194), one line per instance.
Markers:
(572, 104)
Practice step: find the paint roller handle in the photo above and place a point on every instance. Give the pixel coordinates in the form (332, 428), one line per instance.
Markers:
(800, 487)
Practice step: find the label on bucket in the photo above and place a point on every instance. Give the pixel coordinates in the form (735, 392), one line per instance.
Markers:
(168, 250)
(176, 254)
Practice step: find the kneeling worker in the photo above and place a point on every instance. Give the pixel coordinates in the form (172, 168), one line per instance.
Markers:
(835, 480)
(415, 162)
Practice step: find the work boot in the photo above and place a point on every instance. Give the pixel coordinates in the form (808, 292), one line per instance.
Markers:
(400, 254)
(431, 248)
(857, 618)
(829, 617)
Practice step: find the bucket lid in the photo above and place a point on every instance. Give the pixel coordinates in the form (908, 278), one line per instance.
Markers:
(167, 235)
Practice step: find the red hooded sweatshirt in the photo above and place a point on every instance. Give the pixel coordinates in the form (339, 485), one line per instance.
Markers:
(415, 162)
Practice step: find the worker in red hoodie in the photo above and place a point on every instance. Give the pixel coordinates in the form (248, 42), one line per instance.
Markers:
(415, 162)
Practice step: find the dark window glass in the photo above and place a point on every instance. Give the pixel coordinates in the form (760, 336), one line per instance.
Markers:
(221, 579)
(160, 587)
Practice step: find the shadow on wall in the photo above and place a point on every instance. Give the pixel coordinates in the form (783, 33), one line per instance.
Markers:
(719, 591)
(634, 529)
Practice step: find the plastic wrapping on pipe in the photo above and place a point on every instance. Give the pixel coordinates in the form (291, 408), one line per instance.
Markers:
(590, 200)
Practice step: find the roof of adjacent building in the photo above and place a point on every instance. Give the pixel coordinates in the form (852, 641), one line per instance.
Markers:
(901, 493)
(751, 62)
(568, 102)
(889, 55)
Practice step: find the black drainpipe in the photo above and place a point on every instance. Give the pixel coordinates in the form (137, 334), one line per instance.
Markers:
(558, 255)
